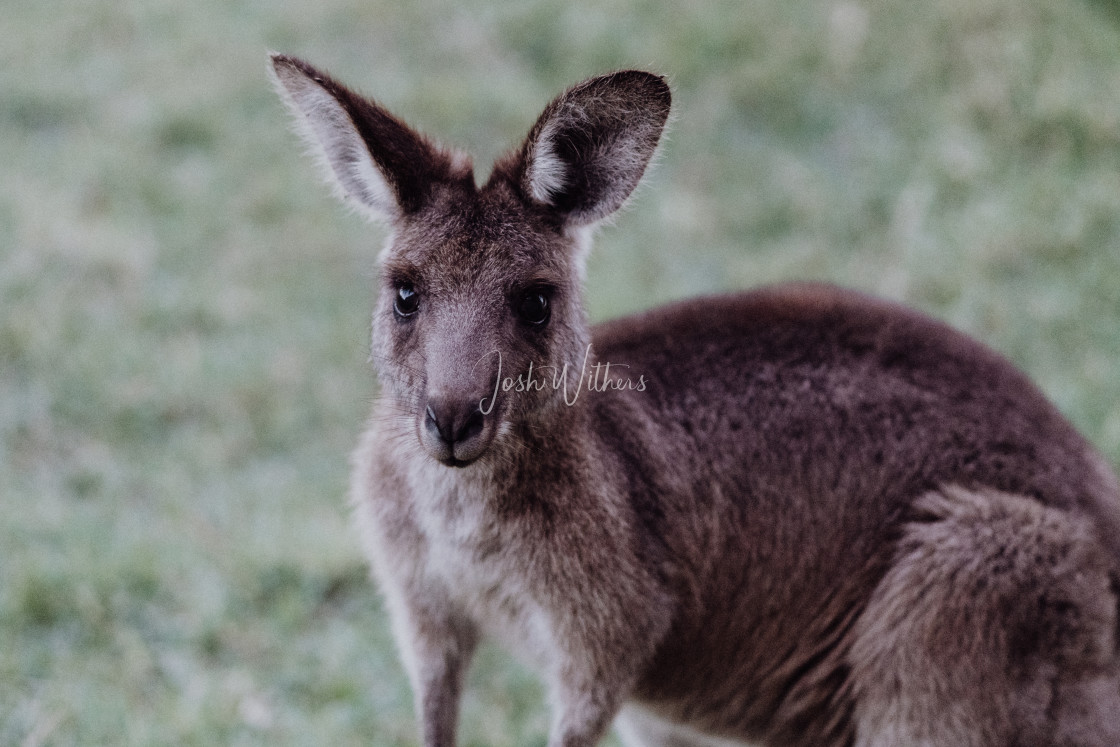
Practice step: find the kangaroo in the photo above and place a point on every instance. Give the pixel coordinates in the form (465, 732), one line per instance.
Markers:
(791, 516)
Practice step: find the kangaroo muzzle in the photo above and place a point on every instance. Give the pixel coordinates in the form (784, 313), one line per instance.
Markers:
(452, 426)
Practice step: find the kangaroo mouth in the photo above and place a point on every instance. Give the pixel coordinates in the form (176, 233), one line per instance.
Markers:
(458, 463)
(453, 455)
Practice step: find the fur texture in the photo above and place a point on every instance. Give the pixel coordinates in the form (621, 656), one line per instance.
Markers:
(797, 516)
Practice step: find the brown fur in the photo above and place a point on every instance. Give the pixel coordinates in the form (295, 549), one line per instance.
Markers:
(797, 516)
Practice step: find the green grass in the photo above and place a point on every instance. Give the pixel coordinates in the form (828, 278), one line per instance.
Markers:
(183, 307)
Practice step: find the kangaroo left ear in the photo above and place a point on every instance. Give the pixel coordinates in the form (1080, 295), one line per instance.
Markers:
(374, 159)
(590, 146)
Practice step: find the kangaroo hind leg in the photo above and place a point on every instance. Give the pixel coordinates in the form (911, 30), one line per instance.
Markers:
(995, 626)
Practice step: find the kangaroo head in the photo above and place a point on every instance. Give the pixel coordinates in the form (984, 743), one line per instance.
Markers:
(478, 283)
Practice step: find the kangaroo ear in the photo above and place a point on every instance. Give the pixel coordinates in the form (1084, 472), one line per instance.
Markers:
(372, 157)
(590, 147)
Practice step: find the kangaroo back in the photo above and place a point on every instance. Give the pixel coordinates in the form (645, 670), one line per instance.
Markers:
(797, 516)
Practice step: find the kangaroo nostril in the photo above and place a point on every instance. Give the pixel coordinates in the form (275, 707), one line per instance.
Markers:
(471, 427)
(432, 424)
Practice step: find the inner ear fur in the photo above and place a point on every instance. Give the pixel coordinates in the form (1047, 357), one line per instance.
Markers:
(590, 146)
(373, 157)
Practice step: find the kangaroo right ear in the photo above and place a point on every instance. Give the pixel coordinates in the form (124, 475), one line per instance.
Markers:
(590, 146)
(374, 159)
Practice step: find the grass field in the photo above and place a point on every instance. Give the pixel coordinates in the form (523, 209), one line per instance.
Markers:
(183, 307)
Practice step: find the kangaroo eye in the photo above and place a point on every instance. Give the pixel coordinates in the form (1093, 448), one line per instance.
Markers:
(407, 301)
(533, 308)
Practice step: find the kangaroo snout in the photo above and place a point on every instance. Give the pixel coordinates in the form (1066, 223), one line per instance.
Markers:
(452, 424)
(454, 430)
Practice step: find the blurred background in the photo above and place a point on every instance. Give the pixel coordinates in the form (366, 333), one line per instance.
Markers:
(183, 306)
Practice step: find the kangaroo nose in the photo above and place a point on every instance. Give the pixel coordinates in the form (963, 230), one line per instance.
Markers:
(453, 422)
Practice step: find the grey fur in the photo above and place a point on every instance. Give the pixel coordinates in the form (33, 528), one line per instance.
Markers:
(798, 516)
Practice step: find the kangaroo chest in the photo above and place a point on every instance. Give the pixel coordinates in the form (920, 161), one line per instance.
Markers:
(479, 562)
